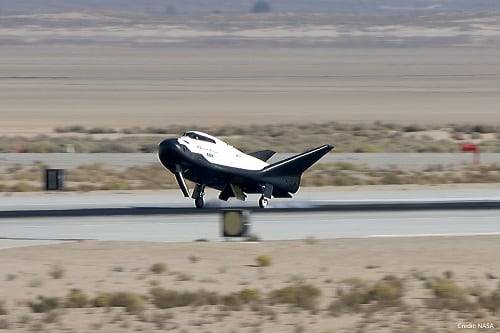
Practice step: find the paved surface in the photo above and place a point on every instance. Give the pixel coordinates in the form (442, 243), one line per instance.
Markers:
(280, 226)
(405, 161)
(305, 198)
(269, 225)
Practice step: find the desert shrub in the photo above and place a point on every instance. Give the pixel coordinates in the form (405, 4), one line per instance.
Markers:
(102, 300)
(76, 299)
(418, 275)
(483, 129)
(165, 299)
(3, 311)
(116, 186)
(263, 260)
(44, 304)
(446, 288)
(342, 180)
(301, 295)
(455, 304)
(118, 269)
(158, 268)
(349, 301)
(491, 302)
(23, 187)
(345, 166)
(100, 130)
(391, 179)
(232, 300)
(413, 128)
(388, 290)
(311, 240)
(56, 272)
(448, 295)
(384, 293)
(249, 295)
(133, 302)
(70, 129)
(448, 274)
(184, 277)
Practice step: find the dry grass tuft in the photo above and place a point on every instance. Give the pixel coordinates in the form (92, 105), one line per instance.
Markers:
(165, 299)
(302, 295)
(384, 293)
(57, 272)
(448, 295)
(76, 299)
(158, 268)
(263, 260)
(44, 304)
(3, 310)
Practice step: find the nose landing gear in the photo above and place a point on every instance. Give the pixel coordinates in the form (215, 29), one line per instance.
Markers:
(198, 194)
(199, 202)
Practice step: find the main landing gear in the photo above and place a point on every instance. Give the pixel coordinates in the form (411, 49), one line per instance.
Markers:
(265, 198)
(198, 194)
(263, 202)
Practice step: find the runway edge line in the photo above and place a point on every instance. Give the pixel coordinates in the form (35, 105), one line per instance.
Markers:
(331, 207)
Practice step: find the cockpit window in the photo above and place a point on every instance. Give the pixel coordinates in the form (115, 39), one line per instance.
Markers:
(197, 136)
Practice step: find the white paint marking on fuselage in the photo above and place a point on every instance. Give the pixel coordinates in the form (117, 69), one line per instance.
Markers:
(221, 153)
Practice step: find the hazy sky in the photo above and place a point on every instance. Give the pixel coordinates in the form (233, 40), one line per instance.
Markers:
(243, 6)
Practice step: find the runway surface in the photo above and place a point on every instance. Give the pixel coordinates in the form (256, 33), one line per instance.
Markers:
(290, 219)
(274, 226)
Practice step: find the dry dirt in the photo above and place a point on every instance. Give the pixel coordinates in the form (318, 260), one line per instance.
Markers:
(226, 267)
(44, 88)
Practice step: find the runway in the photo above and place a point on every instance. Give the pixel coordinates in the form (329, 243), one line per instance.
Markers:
(271, 226)
(313, 213)
(170, 202)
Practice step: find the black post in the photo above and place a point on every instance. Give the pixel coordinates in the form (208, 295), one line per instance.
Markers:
(54, 179)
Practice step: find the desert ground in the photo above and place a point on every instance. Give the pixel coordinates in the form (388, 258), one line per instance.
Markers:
(121, 70)
(425, 292)
(121, 88)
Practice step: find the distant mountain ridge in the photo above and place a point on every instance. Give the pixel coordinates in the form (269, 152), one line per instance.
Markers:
(244, 6)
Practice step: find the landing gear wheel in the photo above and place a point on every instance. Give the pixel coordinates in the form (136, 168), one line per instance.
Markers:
(263, 202)
(199, 202)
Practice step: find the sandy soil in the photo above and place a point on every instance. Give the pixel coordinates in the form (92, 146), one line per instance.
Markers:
(44, 88)
(122, 70)
(226, 267)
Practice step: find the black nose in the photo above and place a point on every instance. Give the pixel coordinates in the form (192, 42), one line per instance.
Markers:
(168, 151)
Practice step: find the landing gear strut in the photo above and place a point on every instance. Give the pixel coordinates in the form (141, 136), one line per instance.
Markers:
(267, 192)
(198, 194)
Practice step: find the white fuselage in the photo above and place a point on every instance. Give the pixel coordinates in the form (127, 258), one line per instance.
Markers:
(218, 152)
